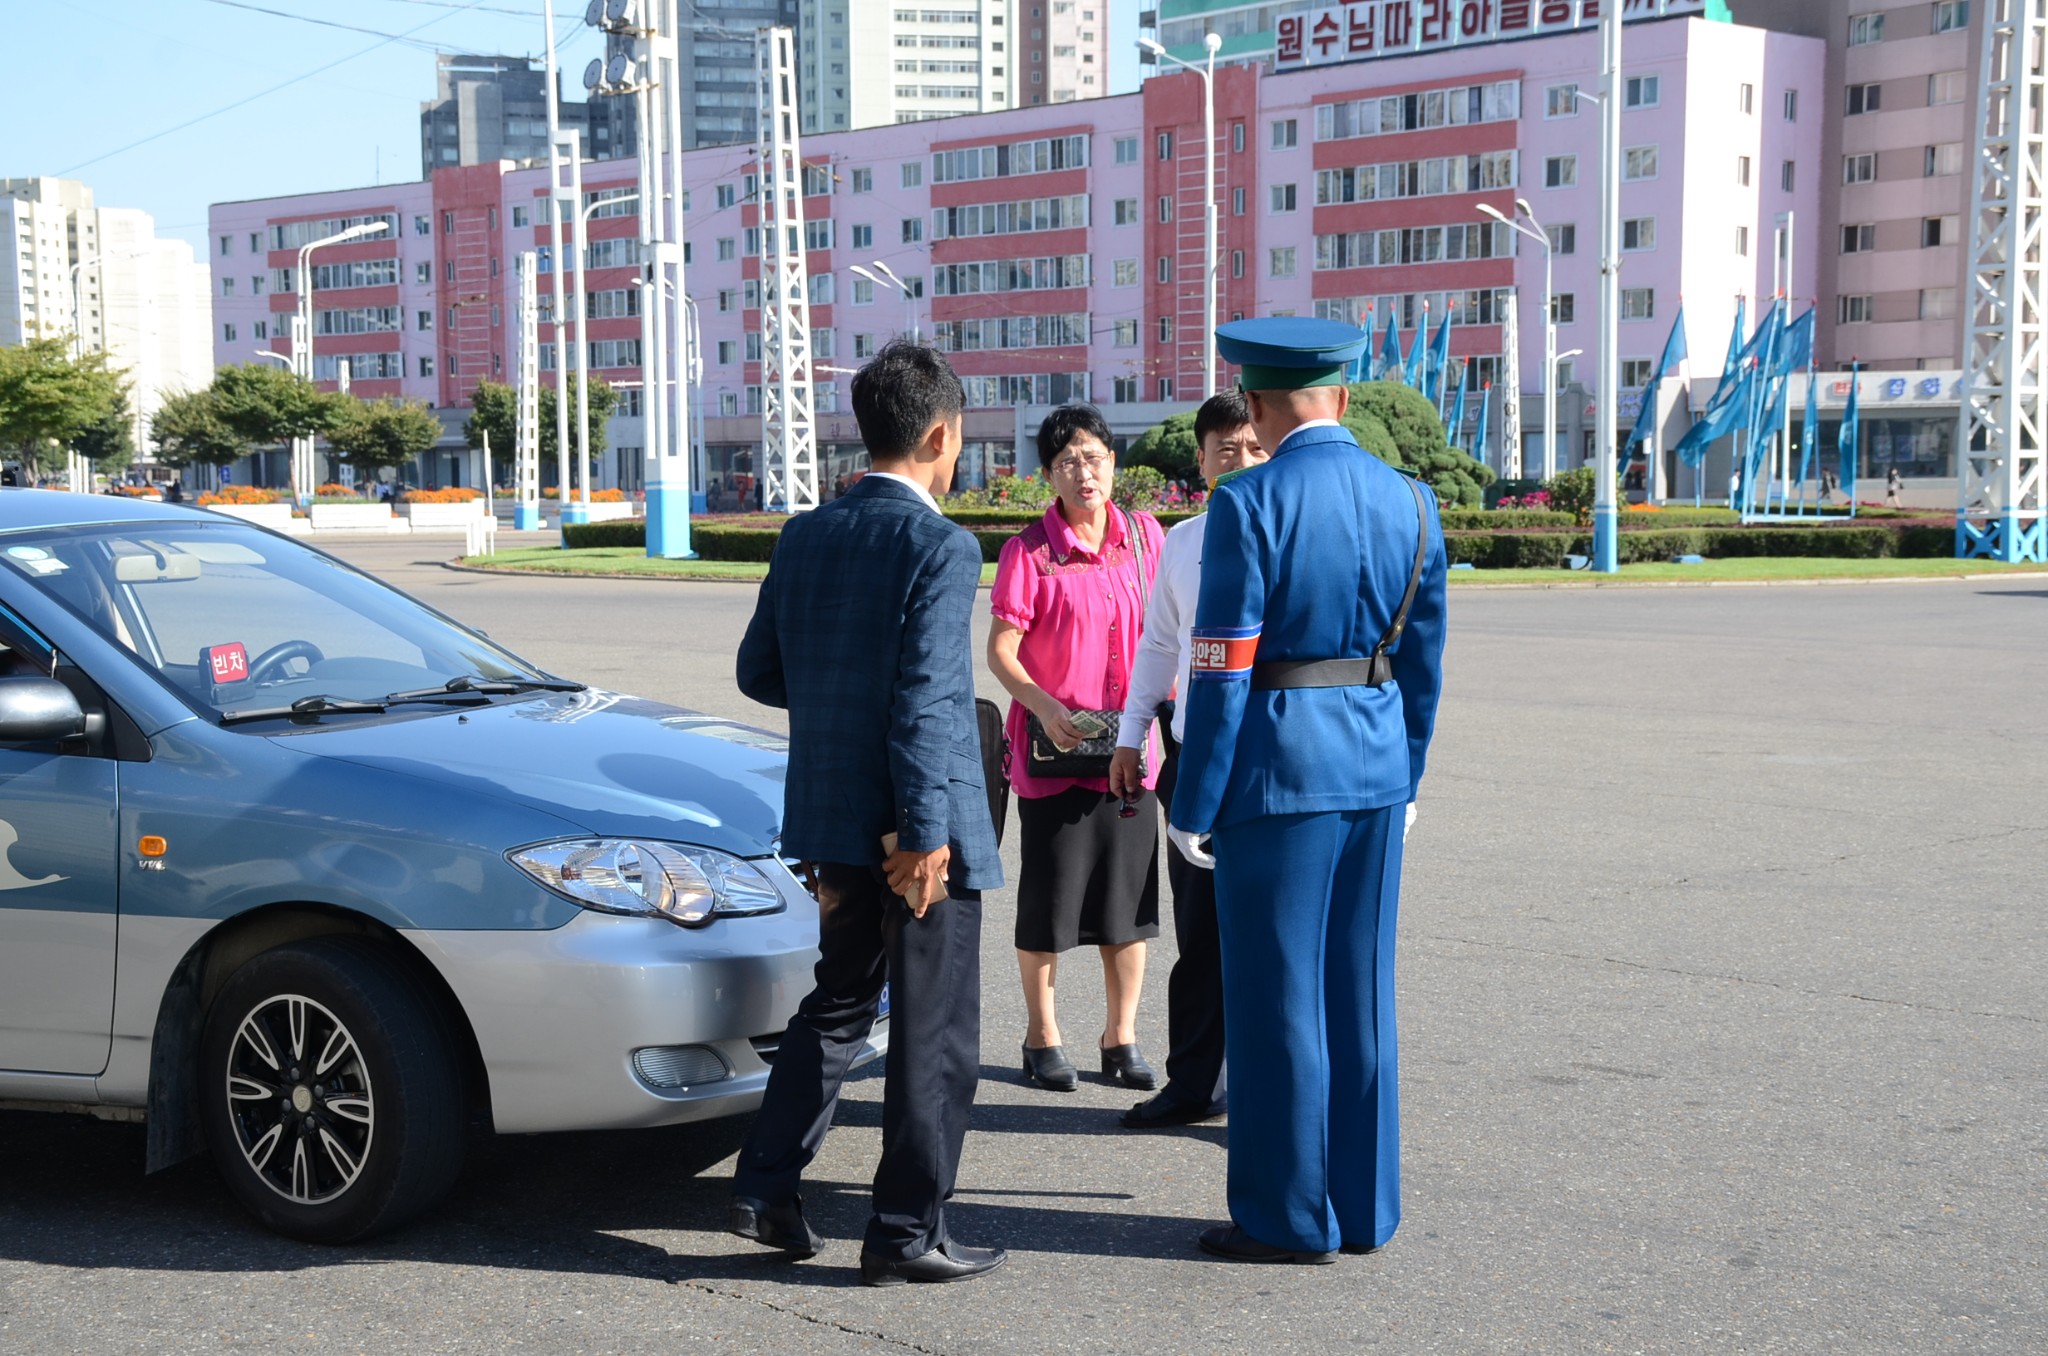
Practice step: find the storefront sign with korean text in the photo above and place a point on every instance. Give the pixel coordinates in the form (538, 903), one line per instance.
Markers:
(1377, 28)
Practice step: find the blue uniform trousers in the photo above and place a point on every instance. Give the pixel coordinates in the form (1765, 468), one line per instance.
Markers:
(1306, 904)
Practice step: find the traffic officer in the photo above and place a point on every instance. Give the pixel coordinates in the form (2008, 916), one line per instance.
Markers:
(1317, 661)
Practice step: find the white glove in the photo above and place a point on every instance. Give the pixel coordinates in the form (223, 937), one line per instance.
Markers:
(1408, 823)
(1191, 847)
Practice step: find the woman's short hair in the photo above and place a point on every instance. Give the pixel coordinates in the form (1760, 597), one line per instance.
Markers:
(1065, 424)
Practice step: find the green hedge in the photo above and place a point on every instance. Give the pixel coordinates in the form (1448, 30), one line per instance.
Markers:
(1547, 550)
(615, 532)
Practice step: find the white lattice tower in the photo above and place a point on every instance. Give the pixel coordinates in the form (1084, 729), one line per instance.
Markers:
(526, 429)
(1510, 382)
(788, 414)
(2005, 362)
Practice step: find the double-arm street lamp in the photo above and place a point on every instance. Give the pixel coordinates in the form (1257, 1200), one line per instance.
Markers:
(1533, 229)
(885, 277)
(303, 477)
(1207, 71)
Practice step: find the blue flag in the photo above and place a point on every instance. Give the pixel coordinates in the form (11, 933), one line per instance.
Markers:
(1735, 339)
(1674, 354)
(1808, 427)
(1414, 374)
(1361, 366)
(1724, 414)
(1847, 443)
(1457, 424)
(1388, 366)
(1479, 434)
(1437, 367)
(1797, 349)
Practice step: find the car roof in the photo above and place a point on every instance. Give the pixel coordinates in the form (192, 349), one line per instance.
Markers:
(26, 509)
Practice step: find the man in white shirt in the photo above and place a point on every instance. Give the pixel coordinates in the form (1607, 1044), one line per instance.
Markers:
(1194, 1088)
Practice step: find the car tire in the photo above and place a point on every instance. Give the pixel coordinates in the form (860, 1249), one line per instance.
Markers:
(330, 1091)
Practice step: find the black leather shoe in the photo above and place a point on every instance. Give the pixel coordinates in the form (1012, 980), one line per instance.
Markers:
(1126, 1064)
(949, 1261)
(775, 1226)
(1235, 1245)
(1359, 1249)
(1050, 1068)
(1160, 1114)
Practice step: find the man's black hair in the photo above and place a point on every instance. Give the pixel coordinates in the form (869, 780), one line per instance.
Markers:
(1224, 412)
(899, 394)
(1066, 423)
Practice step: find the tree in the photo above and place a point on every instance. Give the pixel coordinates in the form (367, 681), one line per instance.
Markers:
(108, 443)
(495, 409)
(373, 434)
(1417, 441)
(1168, 447)
(264, 403)
(48, 397)
(188, 429)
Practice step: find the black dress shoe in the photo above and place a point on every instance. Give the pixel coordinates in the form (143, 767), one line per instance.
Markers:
(1359, 1249)
(1234, 1244)
(1160, 1114)
(776, 1226)
(1126, 1064)
(949, 1261)
(1050, 1068)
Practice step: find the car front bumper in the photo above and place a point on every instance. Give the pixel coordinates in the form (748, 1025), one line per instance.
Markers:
(560, 1015)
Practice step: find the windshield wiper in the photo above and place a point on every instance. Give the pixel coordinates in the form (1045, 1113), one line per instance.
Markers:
(316, 705)
(470, 685)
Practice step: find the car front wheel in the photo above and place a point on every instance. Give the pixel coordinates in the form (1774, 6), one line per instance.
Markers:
(331, 1092)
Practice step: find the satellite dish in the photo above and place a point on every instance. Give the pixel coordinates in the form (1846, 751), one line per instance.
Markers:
(594, 16)
(615, 68)
(615, 11)
(593, 74)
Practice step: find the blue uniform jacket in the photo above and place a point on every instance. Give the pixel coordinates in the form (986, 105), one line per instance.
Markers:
(1306, 557)
(864, 632)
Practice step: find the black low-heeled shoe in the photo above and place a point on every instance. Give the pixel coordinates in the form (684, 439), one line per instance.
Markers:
(1051, 1069)
(1126, 1064)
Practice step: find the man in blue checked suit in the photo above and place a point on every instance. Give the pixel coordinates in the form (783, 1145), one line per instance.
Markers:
(863, 632)
(1317, 647)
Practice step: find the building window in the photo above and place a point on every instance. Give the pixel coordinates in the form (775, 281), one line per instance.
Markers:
(423, 273)
(421, 226)
(1124, 391)
(913, 174)
(262, 329)
(1165, 268)
(227, 246)
(1945, 159)
(227, 332)
(1742, 241)
(426, 366)
(863, 345)
(1788, 175)
(1951, 15)
(728, 351)
(1791, 104)
(1635, 373)
(1745, 99)
(1937, 231)
(1564, 239)
(227, 287)
(1125, 212)
(1237, 137)
(1126, 334)
(1237, 263)
(1564, 308)
(725, 195)
(1852, 310)
(1165, 208)
(1286, 133)
(519, 217)
(423, 321)
(1859, 239)
(1862, 99)
(1742, 171)
(447, 223)
(1561, 101)
(1166, 388)
(1639, 162)
(1865, 29)
(1859, 169)
(1560, 171)
(1641, 91)
(1237, 202)
(1638, 303)
(1945, 87)
(863, 292)
(1166, 145)
(1124, 273)
(1280, 261)
(1126, 151)
(1639, 233)
(864, 181)
(1166, 329)
(1937, 303)
(1282, 197)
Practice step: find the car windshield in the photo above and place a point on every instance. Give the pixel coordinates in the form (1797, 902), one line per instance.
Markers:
(242, 623)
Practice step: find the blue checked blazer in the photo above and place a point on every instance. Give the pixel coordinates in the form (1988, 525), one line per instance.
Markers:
(864, 634)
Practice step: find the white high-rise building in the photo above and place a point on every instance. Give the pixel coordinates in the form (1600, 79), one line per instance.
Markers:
(142, 298)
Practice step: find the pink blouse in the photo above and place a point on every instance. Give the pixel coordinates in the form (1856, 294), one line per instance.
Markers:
(1081, 617)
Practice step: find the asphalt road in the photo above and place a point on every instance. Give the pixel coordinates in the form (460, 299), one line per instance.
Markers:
(1722, 1014)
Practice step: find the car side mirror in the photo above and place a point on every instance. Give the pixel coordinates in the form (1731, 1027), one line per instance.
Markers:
(38, 711)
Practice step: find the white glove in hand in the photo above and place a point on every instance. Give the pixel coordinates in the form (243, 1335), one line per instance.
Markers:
(1408, 823)
(1193, 846)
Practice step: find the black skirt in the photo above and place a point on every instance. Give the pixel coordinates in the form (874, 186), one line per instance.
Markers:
(1090, 877)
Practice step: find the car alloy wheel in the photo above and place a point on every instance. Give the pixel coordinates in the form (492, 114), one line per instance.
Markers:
(300, 1099)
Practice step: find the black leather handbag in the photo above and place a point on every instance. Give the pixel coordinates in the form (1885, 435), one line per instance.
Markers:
(995, 761)
(1090, 758)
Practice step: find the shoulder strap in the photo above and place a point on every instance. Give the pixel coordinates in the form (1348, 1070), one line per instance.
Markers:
(1393, 635)
(1136, 534)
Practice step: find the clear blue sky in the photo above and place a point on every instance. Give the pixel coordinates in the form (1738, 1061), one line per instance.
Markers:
(86, 78)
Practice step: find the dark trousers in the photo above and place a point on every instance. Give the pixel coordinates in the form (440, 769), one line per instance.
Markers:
(1195, 1073)
(868, 937)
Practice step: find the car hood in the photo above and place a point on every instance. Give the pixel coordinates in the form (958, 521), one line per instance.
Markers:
(616, 765)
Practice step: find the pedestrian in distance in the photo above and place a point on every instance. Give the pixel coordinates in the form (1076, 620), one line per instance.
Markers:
(1894, 489)
(1226, 444)
(1068, 606)
(864, 633)
(1317, 662)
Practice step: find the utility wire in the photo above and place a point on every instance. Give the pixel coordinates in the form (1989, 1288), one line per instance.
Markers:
(325, 23)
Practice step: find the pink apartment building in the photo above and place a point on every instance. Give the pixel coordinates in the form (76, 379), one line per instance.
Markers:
(1056, 250)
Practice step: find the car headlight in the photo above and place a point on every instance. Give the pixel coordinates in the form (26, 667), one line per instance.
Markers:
(687, 885)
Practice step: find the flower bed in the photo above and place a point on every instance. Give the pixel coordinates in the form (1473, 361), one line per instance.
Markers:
(239, 495)
(453, 495)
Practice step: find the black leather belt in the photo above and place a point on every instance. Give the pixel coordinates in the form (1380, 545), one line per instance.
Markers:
(1279, 674)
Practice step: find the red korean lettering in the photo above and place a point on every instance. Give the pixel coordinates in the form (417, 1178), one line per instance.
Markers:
(1397, 23)
(1325, 33)
(1290, 38)
(1515, 15)
(1558, 12)
(1361, 26)
(1436, 20)
(1474, 18)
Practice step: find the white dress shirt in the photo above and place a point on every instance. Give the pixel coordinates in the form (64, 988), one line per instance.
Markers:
(1164, 655)
(922, 492)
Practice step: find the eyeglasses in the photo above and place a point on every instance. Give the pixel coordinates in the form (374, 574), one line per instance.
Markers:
(1073, 466)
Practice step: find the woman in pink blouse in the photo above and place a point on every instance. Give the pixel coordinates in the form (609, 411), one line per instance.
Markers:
(1067, 613)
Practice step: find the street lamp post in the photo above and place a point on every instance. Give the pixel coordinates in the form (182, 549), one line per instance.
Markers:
(1606, 548)
(1207, 71)
(302, 343)
(909, 300)
(72, 460)
(1535, 231)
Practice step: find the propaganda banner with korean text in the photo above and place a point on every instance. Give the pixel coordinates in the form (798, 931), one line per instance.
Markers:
(1378, 28)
